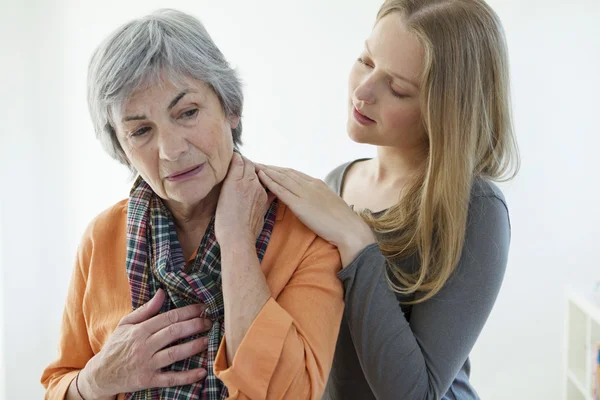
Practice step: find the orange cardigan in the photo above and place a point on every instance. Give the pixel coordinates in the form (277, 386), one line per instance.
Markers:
(286, 353)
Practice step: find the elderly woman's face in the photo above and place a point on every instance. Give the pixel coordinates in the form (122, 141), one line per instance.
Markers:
(178, 140)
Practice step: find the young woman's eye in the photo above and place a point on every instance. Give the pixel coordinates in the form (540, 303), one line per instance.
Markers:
(190, 113)
(398, 95)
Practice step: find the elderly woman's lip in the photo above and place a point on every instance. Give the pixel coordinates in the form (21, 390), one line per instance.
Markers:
(185, 173)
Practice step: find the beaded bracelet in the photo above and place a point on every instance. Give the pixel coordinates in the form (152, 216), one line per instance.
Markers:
(77, 386)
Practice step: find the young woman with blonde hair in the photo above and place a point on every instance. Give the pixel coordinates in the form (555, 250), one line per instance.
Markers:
(424, 244)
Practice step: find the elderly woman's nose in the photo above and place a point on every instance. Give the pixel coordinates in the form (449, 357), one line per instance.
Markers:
(171, 145)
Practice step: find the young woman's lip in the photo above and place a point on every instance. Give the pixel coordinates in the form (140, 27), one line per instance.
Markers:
(361, 118)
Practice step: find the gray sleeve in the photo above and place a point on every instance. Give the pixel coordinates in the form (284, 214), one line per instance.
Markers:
(420, 360)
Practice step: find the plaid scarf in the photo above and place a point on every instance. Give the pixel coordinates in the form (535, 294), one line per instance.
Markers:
(155, 260)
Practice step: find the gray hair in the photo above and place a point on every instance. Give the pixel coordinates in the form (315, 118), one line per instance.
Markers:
(165, 43)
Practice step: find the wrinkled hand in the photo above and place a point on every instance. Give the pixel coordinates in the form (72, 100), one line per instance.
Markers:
(133, 356)
(319, 208)
(243, 203)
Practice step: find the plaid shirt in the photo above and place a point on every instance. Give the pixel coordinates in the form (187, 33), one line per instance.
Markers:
(155, 260)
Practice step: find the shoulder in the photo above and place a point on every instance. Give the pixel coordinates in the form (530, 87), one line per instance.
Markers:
(295, 241)
(289, 226)
(334, 178)
(484, 257)
(486, 191)
(488, 231)
(488, 208)
(109, 221)
(106, 229)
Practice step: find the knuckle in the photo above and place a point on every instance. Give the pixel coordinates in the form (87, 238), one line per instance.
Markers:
(138, 349)
(172, 354)
(138, 381)
(167, 380)
(173, 316)
(174, 330)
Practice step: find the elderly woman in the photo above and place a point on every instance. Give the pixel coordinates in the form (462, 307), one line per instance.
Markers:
(232, 296)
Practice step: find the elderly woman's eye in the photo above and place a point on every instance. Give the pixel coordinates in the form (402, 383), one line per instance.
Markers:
(190, 113)
(140, 132)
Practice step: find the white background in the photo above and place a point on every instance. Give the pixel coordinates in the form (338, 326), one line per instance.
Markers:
(294, 57)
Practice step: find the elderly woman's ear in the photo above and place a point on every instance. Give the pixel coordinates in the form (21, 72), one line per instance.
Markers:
(234, 121)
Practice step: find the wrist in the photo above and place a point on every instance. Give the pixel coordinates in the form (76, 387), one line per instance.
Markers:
(354, 241)
(88, 387)
(237, 243)
(235, 253)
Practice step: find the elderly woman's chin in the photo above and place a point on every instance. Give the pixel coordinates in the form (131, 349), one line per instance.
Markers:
(188, 186)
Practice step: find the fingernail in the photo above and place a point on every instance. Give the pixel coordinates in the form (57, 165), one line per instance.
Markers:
(205, 340)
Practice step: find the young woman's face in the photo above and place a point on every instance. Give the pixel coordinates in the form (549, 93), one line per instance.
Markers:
(383, 88)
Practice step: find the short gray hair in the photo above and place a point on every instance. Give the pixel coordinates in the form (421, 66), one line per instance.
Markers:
(166, 42)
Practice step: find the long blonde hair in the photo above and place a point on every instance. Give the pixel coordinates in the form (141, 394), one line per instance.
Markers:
(466, 115)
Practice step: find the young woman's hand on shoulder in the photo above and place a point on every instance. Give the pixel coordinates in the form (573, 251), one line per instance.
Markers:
(319, 208)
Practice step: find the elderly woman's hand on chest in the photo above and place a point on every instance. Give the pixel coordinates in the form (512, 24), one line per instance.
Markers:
(140, 347)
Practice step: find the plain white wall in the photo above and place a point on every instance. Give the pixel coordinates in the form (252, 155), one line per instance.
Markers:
(555, 59)
(294, 58)
(33, 164)
(2, 361)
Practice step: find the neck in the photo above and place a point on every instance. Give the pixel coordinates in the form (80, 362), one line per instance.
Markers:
(191, 220)
(395, 167)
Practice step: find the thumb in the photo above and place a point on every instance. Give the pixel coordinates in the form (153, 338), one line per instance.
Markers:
(236, 167)
(146, 311)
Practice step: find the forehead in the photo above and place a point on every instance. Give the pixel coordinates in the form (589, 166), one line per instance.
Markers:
(162, 92)
(397, 48)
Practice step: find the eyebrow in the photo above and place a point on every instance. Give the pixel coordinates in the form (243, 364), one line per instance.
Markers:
(172, 104)
(390, 72)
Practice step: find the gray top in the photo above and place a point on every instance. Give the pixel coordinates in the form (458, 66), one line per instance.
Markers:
(390, 351)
